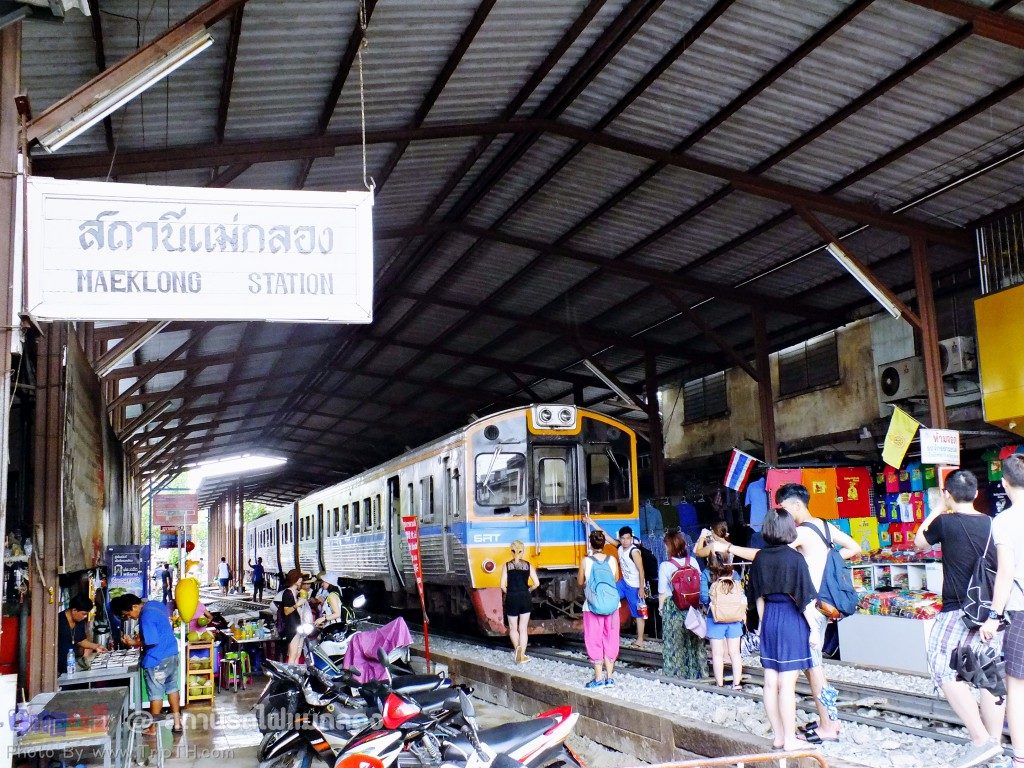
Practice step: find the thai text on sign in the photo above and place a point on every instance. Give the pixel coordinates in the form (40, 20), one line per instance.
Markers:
(106, 251)
(940, 446)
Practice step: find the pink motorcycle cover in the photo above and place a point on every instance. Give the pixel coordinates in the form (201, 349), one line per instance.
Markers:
(362, 650)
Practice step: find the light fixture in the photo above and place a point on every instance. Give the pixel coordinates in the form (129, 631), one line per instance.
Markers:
(847, 263)
(121, 95)
(596, 370)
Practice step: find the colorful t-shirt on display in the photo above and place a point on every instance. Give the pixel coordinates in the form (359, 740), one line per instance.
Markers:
(777, 478)
(892, 480)
(821, 483)
(757, 500)
(931, 475)
(916, 477)
(853, 485)
(917, 506)
(904, 480)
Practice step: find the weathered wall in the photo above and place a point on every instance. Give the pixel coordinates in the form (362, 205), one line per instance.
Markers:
(849, 405)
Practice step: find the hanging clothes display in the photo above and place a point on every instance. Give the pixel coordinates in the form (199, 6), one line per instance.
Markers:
(821, 484)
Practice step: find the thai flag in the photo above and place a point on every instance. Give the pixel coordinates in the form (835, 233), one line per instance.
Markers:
(738, 472)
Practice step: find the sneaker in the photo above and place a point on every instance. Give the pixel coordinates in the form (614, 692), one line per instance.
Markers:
(609, 682)
(595, 684)
(976, 754)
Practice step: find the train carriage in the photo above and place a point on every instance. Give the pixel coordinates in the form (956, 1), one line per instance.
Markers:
(528, 473)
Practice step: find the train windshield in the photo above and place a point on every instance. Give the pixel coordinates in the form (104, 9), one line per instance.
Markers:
(500, 478)
(609, 469)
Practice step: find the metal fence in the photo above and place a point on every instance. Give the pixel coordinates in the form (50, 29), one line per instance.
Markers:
(1001, 253)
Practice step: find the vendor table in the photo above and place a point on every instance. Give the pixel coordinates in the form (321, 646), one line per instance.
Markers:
(108, 667)
(71, 720)
(255, 643)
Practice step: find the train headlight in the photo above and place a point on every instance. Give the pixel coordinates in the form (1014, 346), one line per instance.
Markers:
(488, 566)
(553, 417)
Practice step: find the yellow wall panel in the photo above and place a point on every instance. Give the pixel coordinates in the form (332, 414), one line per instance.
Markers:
(1000, 320)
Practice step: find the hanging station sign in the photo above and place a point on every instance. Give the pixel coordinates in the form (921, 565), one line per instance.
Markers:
(107, 251)
(177, 510)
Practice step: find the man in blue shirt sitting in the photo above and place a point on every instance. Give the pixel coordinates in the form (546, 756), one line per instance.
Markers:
(159, 651)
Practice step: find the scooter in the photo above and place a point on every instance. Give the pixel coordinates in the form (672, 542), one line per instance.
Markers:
(332, 734)
(536, 743)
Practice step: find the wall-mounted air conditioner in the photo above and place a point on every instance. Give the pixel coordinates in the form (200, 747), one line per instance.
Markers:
(901, 380)
(958, 355)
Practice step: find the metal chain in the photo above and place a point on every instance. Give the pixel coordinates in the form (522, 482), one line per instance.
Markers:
(368, 181)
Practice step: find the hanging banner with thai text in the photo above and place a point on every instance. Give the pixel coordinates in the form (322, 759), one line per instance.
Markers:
(176, 509)
(107, 251)
(940, 446)
(412, 537)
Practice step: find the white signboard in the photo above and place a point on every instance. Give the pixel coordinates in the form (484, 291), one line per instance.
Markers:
(105, 251)
(940, 446)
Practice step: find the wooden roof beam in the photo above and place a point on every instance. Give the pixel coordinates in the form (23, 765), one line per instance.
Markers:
(985, 22)
(137, 336)
(121, 73)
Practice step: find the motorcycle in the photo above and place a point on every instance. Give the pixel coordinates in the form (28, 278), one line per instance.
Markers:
(332, 734)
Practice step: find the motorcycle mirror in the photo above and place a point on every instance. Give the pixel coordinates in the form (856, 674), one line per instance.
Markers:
(359, 601)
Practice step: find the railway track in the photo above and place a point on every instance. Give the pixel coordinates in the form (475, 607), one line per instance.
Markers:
(931, 717)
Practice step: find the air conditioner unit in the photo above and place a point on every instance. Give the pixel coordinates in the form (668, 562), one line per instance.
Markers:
(958, 355)
(901, 380)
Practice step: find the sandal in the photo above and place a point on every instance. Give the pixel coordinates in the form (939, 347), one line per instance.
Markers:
(810, 734)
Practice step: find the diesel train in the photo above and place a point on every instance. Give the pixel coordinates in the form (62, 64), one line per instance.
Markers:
(529, 473)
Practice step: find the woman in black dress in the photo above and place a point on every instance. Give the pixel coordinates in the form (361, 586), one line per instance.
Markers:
(516, 579)
(290, 620)
(781, 584)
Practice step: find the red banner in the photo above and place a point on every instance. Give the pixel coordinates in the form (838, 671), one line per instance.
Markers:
(410, 525)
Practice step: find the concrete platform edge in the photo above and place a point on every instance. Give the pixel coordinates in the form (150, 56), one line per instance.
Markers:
(654, 736)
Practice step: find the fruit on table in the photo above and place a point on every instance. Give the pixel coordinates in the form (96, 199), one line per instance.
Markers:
(193, 637)
(202, 621)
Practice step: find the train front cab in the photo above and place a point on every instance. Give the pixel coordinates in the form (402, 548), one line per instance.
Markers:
(537, 472)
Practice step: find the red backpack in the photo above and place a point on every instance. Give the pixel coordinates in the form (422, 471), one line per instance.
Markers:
(685, 584)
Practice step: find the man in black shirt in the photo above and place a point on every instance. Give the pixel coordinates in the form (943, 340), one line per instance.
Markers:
(963, 533)
(72, 631)
(166, 580)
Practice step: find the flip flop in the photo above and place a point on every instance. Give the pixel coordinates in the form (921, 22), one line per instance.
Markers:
(805, 726)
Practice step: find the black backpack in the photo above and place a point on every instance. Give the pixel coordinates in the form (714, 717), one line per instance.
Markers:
(650, 562)
(978, 601)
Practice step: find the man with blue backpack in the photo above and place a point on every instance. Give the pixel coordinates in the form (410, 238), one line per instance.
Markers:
(599, 576)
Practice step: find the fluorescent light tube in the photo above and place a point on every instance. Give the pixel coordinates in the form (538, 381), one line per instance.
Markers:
(127, 91)
(840, 255)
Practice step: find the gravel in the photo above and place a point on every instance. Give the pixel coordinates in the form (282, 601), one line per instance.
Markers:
(877, 747)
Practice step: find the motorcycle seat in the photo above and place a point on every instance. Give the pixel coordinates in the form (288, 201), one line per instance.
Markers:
(415, 683)
(501, 738)
(435, 701)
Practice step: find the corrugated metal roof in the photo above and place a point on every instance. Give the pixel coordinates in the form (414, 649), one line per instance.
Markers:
(470, 291)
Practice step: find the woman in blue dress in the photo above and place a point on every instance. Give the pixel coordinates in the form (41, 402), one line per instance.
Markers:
(781, 584)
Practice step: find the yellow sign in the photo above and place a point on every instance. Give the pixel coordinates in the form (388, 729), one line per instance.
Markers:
(902, 429)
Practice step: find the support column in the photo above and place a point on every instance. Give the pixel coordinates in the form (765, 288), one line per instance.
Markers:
(654, 425)
(577, 394)
(240, 537)
(765, 396)
(929, 333)
(46, 505)
(10, 84)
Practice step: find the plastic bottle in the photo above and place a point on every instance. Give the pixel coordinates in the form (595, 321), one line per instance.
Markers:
(71, 662)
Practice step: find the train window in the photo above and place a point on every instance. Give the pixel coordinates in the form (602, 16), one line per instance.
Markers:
(367, 514)
(412, 504)
(608, 475)
(377, 523)
(427, 499)
(554, 481)
(456, 494)
(356, 521)
(337, 520)
(344, 519)
(500, 478)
